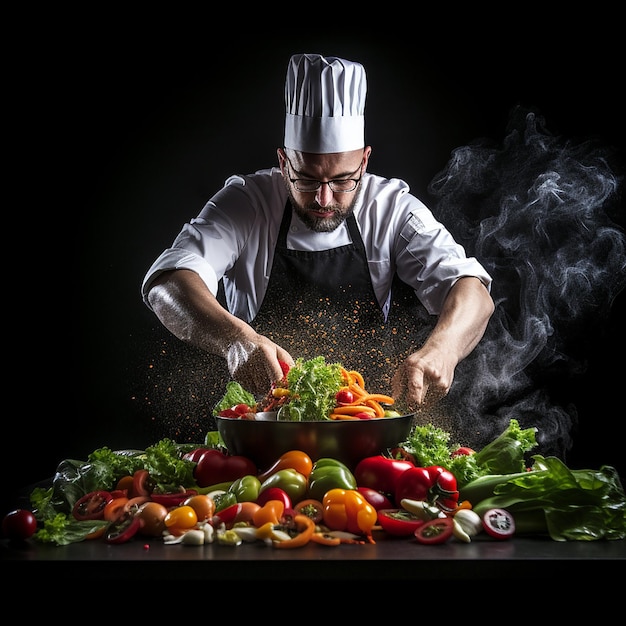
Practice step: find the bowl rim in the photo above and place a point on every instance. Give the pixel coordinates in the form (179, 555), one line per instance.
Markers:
(376, 420)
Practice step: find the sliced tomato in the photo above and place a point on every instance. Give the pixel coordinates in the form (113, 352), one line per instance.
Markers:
(124, 529)
(115, 509)
(435, 531)
(398, 522)
(142, 484)
(91, 505)
(499, 523)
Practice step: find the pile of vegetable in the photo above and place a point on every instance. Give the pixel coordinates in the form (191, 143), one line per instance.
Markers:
(427, 489)
(312, 390)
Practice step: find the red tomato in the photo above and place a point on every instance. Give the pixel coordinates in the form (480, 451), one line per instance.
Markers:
(463, 450)
(203, 505)
(499, 524)
(435, 531)
(19, 524)
(91, 505)
(344, 396)
(375, 498)
(380, 473)
(399, 522)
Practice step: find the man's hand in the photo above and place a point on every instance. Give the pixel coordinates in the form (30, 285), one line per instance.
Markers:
(256, 364)
(423, 378)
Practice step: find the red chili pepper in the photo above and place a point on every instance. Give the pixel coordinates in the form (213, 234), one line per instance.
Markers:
(169, 500)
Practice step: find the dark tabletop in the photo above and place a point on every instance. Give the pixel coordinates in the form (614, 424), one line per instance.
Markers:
(388, 559)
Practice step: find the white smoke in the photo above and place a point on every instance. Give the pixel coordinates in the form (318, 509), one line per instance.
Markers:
(536, 212)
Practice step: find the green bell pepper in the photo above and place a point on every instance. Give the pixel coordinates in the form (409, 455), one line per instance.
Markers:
(246, 488)
(328, 474)
(289, 480)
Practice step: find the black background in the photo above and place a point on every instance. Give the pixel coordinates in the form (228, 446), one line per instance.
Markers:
(121, 131)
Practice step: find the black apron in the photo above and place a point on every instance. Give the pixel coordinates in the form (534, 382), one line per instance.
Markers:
(323, 303)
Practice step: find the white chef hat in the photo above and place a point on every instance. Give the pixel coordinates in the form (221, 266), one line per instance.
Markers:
(325, 104)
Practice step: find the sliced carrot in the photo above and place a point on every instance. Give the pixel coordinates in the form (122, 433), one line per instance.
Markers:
(380, 412)
(379, 397)
(353, 409)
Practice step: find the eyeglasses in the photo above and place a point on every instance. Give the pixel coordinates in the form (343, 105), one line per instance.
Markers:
(339, 185)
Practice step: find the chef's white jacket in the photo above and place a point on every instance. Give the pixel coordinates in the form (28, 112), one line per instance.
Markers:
(235, 234)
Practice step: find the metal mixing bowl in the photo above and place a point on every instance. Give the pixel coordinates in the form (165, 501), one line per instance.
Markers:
(264, 440)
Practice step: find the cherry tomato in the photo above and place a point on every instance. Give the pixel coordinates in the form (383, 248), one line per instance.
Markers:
(499, 523)
(398, 522)
(125, 483)
(152, 515)
(19, 524)
(435, 531)
(463, 450)
(202, 504)
(181, 518)
(91, 505)
(311, 508)
(123, 529)
(344, 396)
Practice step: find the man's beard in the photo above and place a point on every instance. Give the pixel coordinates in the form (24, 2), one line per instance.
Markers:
(322, 224)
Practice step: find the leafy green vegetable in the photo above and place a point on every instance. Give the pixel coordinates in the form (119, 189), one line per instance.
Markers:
(506, 453)
(235, 394)
(430, 445)
(73, 479)
(313, 385)
(569, 505)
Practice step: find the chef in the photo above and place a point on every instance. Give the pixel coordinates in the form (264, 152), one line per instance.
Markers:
(318, 256)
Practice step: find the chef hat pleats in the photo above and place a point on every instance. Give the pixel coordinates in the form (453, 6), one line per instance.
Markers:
(325, 104)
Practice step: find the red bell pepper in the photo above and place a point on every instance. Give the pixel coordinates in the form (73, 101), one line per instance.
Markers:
(214, 466)
(381, 473)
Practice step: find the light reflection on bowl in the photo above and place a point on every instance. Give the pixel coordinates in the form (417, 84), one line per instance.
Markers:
(264, 440)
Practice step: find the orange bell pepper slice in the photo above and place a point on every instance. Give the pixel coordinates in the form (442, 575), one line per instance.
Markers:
(271, 511)
(306, 528)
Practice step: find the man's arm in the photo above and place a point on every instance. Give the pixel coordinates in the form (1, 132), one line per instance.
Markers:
(427, 374)
(186, 307)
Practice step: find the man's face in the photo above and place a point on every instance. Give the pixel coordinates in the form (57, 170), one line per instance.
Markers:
(323, 210)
